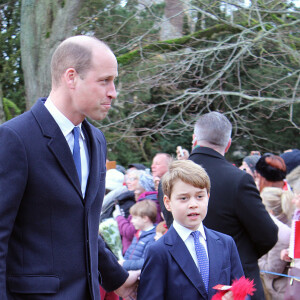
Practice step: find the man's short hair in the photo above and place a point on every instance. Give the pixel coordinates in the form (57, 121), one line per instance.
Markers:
(144, 208)
(168, 156)
(72, 54)
(213, 128)
(186, 171)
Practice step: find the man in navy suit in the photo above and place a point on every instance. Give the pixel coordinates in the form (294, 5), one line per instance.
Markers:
(172, 268)
(49, 211)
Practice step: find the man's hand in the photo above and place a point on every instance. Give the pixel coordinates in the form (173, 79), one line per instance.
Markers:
(284, 255)
(128, 290)
(182, 154)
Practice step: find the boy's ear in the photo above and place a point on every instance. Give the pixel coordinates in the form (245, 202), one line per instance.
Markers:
(146, 219)
(167, 202)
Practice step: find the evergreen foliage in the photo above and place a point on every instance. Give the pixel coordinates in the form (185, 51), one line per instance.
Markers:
(240, 60)
(11, 75)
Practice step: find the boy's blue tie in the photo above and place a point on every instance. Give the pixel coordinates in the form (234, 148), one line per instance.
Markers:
(76, 152)
(202, 258)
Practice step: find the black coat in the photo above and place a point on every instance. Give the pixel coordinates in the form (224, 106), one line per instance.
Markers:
(235, 208)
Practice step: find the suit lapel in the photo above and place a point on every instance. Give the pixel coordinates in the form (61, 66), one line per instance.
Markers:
(181, 255)
(215, 251)
(57, 143)
(93, 183)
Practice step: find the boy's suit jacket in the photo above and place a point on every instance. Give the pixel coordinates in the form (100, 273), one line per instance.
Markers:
(169, 271)
(49, 245)
(235, 208)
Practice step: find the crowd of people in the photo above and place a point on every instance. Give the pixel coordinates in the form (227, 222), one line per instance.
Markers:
(72, 229)
(254, 203)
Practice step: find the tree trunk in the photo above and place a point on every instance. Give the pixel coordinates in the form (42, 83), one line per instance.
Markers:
(173, 20)
(44, 24)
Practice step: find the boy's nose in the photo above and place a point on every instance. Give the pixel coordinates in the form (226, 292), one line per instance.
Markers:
(193, 202)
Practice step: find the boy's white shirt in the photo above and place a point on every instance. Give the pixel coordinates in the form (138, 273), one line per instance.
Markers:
(185, 235)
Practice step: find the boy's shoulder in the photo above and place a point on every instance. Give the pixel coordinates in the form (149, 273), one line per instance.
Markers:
(224, 238)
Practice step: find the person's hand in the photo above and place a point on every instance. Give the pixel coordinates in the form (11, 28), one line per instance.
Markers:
(121, 261)
(284, 255)
(117, 212)
(228, 296)
(156, 180)
(182, 154)
(128, 290)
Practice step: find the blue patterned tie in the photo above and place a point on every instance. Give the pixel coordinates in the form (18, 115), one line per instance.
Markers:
(76, 152)
(202, 258)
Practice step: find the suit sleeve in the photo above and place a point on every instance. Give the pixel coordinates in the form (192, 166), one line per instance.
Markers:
(154, 275)
(253, 215)
(13, 178)
(112, 274)
(236, 265)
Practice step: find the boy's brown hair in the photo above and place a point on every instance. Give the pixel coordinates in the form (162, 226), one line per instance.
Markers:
(186, 171)
(144, 208)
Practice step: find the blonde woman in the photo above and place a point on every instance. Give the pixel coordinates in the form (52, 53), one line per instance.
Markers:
(280, 207)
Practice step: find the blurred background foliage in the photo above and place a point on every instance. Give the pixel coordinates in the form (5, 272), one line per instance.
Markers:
(177, 60)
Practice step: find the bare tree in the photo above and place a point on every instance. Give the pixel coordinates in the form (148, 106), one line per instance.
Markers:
(248, 69)
(44, 24)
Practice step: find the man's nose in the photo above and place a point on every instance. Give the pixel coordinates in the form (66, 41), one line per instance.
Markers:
(112, 93)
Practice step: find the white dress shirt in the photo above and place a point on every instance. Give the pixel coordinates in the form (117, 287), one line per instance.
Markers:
(66, 126)
(188, 239)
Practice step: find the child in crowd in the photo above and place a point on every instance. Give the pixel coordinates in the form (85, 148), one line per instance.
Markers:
(161, 229)
(143, 217)
(171, 269)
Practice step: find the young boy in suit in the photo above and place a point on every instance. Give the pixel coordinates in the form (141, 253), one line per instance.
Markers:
(171, 269)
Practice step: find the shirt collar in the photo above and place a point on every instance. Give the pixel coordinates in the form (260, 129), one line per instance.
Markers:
(62, 121)
(184, 232)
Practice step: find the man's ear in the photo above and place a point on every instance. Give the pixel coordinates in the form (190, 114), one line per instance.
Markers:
(228, 145)
(70, 77)
(194, 142)
(167, 202)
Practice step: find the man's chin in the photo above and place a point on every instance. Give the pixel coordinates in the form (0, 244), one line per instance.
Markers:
(99, 116)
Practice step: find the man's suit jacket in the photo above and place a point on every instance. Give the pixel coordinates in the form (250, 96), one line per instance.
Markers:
(235, 208)
(49, 245)
(169, 271)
